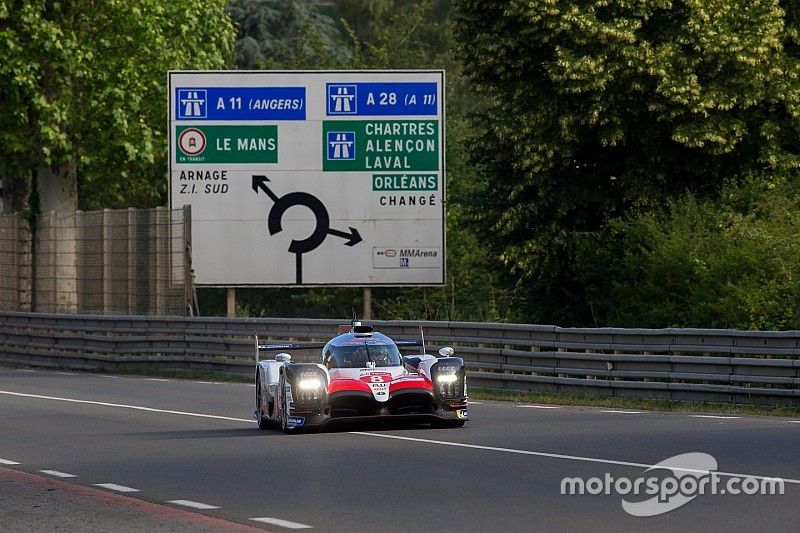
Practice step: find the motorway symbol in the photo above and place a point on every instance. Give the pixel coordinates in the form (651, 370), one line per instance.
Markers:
(342, 99)
(322, 229)
(191, 103)
(341, 145)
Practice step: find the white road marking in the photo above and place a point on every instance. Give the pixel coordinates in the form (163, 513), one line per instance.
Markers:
(281, 523)
(193, 505)
(66, 373)
(56, 473)
(541, 406)
(621, 412)
(114, 486)
(110, 377)
(397, 437)
(560, 456)
(475, 403)
(123, 406)
(7, 462)
(714, 416)
(795, 421)
(157, 379)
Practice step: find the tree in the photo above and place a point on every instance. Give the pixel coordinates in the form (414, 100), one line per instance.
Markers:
(83, 90)
(602, 110)
(394, 35)
(730, 263)
(385, 34)
(285, 34)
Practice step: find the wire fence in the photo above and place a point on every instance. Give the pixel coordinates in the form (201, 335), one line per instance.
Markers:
(15, 263)
(131, 261)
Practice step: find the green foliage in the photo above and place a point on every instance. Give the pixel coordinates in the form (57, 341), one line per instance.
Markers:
(728, 264)
(285, 34)
(604, 109)
(85, 82)
(379, 35)
(396, 35)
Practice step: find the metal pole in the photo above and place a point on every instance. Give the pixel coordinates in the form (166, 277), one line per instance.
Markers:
(188, 281)
(367, 303)
(132, 261)
(107, 258)
(231, 302)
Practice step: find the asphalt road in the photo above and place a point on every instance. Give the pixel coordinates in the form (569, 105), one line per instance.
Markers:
(184, 444)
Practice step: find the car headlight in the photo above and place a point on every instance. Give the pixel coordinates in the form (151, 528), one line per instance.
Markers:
(310, 383)
(446, 378)
(449, 379)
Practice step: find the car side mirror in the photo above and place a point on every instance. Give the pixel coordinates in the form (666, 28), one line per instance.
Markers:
(447, 351)
(283, 357)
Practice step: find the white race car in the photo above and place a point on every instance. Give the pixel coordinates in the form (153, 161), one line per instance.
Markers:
(361, 376)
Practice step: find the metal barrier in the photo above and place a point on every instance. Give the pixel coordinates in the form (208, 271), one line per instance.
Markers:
(675, 364)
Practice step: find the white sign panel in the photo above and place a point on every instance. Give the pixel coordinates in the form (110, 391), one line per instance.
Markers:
(311, 178)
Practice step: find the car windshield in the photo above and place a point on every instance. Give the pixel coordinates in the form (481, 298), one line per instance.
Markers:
(357, 356)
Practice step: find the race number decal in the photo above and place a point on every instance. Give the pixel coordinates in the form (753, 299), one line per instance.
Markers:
(379, 384)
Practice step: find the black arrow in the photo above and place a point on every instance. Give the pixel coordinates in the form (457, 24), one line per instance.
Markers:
(260, 182)
(320, 214)
(321, 230)
(353, 237)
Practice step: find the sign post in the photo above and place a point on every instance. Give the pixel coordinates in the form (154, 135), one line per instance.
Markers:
(311, 178)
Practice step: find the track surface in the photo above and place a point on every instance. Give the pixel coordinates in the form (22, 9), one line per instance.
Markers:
(501, 472)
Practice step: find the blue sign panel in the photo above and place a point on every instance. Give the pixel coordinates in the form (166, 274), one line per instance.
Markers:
(382, 99)
(240, 103)
(341, 146)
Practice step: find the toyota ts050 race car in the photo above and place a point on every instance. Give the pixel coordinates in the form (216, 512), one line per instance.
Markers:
(361, 376)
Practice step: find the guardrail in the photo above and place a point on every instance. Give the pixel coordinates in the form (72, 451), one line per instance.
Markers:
(676, 364)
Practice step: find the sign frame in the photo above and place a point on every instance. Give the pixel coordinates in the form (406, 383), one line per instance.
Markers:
(421, 179)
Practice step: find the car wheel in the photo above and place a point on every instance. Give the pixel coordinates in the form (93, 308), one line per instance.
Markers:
(284, 408)
(263, 423)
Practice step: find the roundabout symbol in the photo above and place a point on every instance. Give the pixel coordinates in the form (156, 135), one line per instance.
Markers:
(322, 229)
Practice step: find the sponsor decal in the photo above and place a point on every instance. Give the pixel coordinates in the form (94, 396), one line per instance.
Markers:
(376, 377)
(296, 421)
(461, 413)
(379, 384)
(359, 341)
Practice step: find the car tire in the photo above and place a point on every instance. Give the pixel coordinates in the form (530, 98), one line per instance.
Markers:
(284, 408)
(263, 423)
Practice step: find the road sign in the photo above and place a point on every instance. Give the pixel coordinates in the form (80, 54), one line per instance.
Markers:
(311, 178)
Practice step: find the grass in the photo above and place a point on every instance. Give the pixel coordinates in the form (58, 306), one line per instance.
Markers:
(150, 370)
(635, 403)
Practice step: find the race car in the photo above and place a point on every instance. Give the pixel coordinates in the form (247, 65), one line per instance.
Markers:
(361, 376)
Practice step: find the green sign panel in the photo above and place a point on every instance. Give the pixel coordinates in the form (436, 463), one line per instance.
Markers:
(380, 145)
(226, 144)
(405, 182)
